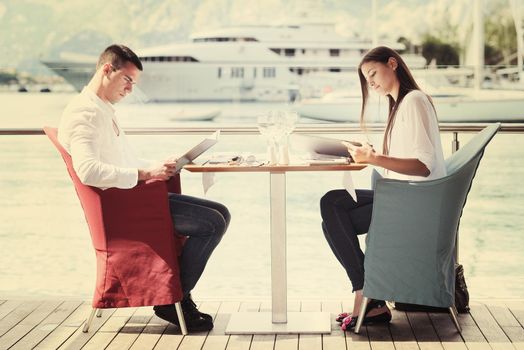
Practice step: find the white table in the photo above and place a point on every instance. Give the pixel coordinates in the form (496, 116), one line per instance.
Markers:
(279, 321)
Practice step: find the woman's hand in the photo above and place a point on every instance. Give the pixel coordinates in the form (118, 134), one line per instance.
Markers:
(364, 154)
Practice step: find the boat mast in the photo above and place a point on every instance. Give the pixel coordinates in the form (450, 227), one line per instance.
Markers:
(478, 39)
(517, 18)
(374, 23)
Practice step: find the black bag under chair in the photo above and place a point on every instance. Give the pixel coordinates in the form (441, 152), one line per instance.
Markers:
(461, 297)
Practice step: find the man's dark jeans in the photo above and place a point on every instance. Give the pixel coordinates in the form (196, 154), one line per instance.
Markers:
(204, 222)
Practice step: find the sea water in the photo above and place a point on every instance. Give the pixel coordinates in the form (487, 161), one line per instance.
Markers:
(45, 248)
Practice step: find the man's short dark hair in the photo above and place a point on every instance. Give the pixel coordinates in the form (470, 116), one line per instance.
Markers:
(118, 56)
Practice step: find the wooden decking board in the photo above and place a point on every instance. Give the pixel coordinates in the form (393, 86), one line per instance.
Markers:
(110, 329)
(194, 341)
(56, 338)
(423, 328)
(517, 310)
(487, 324)
(401, 332)
(44, 328)
(240, 342)
(136, 324)
(8, 306)
(151, 333)
(79, 338)
(263, 341)
(71, 324)
(27, 324)
(337, 339)
(310, 341)
(445, 329)
(356, 341)
(170, 339)
(288, 341)
(210, 307)
(216, 339)
(470, 331)
(380, 337)
(506, 320)
(17, 314)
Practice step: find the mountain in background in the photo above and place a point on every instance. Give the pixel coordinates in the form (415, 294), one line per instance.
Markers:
(35, 29)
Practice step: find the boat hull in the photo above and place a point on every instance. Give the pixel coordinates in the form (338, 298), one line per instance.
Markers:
(449, 109)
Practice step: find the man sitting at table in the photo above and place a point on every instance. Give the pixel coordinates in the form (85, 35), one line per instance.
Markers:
(102, 157)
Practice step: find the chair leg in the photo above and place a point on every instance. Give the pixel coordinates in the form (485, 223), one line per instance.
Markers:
(453, 313)
(89, 320)
(99, 313)
(181, 320)
(362, 314)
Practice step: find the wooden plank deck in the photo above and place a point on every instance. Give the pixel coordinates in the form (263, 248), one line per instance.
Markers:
(491, 324)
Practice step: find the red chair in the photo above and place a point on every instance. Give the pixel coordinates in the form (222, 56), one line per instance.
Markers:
(133, 236)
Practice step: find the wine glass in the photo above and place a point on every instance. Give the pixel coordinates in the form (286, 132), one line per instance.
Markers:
(266, 126)
(291, 119)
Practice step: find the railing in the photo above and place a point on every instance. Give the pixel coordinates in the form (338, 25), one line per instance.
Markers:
(239, 129)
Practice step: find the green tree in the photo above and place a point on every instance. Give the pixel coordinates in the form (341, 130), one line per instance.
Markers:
(443, 53)
(8, 78)
(500, 34)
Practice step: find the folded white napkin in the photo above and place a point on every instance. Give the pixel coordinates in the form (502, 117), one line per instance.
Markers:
(208, 180)
(347, 182)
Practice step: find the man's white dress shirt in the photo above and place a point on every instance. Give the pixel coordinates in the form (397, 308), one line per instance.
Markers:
(102, 156)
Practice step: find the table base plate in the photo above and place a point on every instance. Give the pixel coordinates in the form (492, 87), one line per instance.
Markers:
(297, 322)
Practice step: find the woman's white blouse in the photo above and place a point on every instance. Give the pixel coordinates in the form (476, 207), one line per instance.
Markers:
(415, 134)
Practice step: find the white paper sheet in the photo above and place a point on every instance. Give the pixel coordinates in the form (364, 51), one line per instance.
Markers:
(347, 182)
(208, 180)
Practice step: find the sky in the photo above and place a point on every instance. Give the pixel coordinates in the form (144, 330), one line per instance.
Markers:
(34, 29)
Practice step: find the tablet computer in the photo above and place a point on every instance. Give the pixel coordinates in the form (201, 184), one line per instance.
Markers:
(197, 150)
(321, 145)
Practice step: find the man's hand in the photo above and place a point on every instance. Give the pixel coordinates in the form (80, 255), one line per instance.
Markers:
(161, 172)
(364, 154)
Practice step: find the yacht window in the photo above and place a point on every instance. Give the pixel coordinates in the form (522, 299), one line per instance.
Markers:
(254, 72)
(237, 72)
(298, 71)
(269, 72)
(197, 40)
(334, 52)
(219, 72)
(289, 52)
(277, 51)
(168, 59)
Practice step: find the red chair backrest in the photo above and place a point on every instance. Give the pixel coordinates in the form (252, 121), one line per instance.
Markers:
(89, 196)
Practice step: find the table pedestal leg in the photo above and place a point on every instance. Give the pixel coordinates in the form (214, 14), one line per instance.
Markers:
(279, 321)
(278, 248)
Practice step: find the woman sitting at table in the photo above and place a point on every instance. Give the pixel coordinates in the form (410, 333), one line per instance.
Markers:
(411, 150)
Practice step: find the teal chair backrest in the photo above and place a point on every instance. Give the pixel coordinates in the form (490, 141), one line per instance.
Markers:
(472, 149)
(411, 241)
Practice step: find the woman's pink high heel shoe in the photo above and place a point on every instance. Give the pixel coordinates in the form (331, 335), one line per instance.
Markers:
(342, 316)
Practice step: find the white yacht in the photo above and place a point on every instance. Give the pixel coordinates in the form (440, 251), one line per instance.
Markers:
(452, 103)
(244, 63)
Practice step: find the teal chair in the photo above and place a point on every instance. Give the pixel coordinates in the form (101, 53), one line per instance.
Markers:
(410, 246)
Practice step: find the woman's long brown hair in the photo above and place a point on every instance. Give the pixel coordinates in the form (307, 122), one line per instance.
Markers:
(382, 54)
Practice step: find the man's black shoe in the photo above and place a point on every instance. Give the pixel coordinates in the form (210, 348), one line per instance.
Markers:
(194, 322)
(189, 307)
